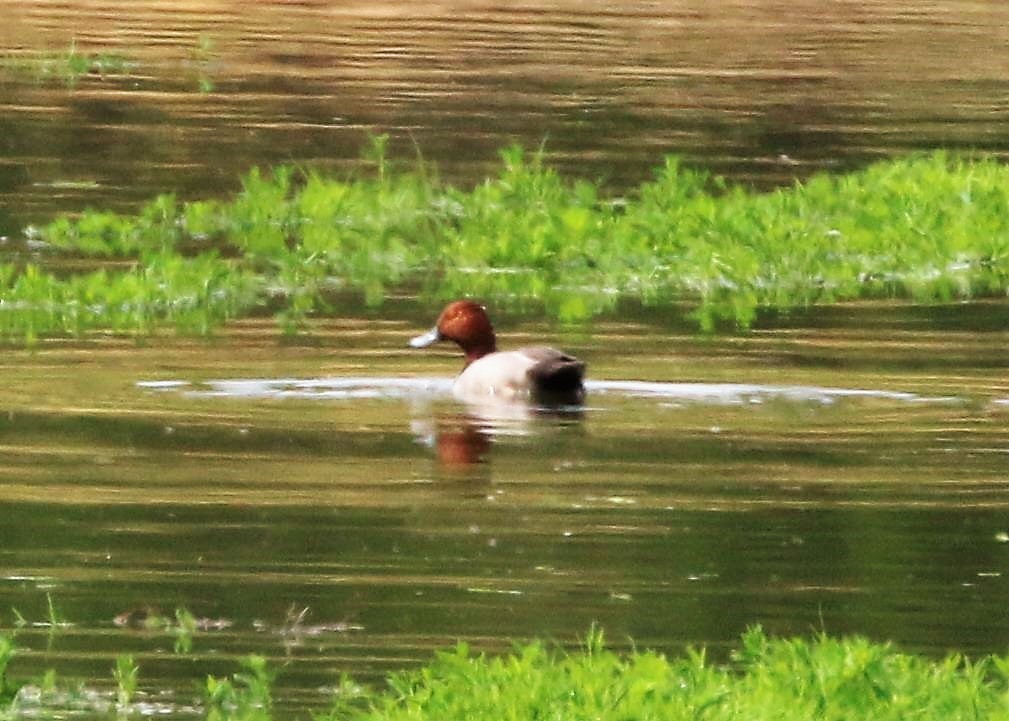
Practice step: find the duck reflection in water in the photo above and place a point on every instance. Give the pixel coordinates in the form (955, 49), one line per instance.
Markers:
(459, 442)
(465, 439)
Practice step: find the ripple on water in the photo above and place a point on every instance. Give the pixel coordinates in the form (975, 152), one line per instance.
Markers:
(337, 388)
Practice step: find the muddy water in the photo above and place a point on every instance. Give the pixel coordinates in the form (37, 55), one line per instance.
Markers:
(331, 506)
(761, 90)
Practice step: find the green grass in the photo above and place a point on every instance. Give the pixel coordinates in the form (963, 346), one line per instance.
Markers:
(125, 673)
(245, 696)
(67, 67)
(780, 679)
(7, 653)
(202, 56)
(930, 228)
(842, 679)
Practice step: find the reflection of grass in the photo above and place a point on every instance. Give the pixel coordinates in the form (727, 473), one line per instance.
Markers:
(66, 66)
(928, 227)
(786, 679)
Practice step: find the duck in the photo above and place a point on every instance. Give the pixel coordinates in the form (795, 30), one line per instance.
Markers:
(538, 373)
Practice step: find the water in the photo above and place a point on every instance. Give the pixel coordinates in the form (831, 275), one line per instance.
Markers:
(841, 469)
(846, 472)
(762, 90)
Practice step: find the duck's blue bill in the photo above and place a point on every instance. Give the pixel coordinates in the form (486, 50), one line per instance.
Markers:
(422, 341)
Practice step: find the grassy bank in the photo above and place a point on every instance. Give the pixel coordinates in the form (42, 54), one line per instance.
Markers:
(780, 679)
(932, 228)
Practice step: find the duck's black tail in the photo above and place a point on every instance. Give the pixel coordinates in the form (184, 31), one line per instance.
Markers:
(557, 378)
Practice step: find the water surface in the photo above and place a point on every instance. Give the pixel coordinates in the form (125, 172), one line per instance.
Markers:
(331, 506)
(761, 90)
(328, 504)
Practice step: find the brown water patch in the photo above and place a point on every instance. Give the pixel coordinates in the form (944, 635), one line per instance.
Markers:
(760, 90)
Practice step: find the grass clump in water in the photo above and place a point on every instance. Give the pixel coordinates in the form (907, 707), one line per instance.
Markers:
(246, 696)
(7, 652)
(842, 679)
(125, 673)
(932, 228)
(839, 679)
(65, 66)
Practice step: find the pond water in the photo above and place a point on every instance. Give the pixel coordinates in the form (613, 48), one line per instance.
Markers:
(328, 504)
(760, 90)
(331, 506)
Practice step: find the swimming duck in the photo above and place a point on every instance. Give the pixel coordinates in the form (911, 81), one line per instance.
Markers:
(537, 373)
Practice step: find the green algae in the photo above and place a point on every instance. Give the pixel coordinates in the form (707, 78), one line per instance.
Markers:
(931, 228)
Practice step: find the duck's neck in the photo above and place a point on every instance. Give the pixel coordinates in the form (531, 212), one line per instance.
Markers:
(475, 353)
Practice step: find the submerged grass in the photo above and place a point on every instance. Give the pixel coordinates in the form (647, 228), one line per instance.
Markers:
(931, 228)
(782, 679)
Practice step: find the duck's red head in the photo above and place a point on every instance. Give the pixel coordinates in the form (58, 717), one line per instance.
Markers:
(466, 323)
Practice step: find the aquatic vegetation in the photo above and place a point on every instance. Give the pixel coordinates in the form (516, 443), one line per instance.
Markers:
(184, 628)
(71, 65)
(203, 55)
(770, 678)
(125, 673)
(55, 617)
(931, 228)
(65, 66)
(7, 652)
(246, 696)
(767, 678)
(183, 625)
(924, 227)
